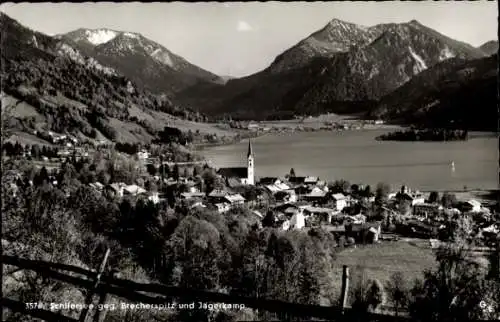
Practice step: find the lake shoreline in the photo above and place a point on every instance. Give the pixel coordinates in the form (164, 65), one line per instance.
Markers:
(356, 156)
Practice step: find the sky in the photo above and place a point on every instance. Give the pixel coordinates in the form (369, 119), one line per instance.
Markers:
(239, 39)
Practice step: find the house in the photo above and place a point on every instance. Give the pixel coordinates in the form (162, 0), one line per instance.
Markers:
(99, 187)
(374, 234)
(357, 219)
(154, 197)
(143, 155)
(193, 188)
(296, 180)
(115, 189)
(269, 181)
(415, 228)
(412, 198)
(291, 210)
(235, 200)
(286, 196)
(217, 196)
(133, 190)
(272, 188)
(252, 126)
(364, 232)
(471, 206)
(192, 195)
(340, 201)
(192, 204)
(282, 186)
(317, 196)
(424, 210)
(311, 180)
(285, 225)
(390, 196)
(319, 215)
(222, 207)
(302, 190)
(245, 175)
(297, 221)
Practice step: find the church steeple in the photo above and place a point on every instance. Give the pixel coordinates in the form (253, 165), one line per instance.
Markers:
(250, 152)
(250, 165)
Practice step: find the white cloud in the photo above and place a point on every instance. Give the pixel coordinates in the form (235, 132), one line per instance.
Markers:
(243, 26)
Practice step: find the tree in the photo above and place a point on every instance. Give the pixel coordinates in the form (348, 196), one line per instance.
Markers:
(8, 119)
(186, 173)
(197, 170)
(397, 291)
(456, 291)
(375, 294)
(211, 180)
(434, 197)
(42, 177)
(292, 173)
(269, 220)
(448, 200)
(368, 191)
(176, 172)
(382, 192)
(340, 186)
(151, 169)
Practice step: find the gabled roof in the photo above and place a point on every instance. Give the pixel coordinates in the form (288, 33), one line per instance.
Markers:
(189, 195)
(268, 180)
(272, 188)
(338, 196)
(235, 198)
(316, 193)
(116, 186)
(318, 210)
(235, 172)
(311, 179)
(282, 186)
(134, 189)
(474, 203)
(218, 194)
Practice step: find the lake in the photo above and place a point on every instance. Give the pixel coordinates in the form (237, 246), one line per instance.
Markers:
(357, 157)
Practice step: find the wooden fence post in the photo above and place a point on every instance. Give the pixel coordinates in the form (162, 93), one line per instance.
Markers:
(100, 315)
(90, 295)
(345, 288)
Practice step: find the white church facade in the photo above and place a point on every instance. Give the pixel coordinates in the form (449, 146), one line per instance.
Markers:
(244, 175)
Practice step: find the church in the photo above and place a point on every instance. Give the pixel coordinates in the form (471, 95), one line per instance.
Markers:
(244, 175)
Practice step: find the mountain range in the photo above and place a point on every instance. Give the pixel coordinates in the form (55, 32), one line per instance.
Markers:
(144, 61)
(341, 68)
(57, 87)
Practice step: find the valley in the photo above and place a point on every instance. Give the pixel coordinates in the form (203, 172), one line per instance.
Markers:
(348, 178)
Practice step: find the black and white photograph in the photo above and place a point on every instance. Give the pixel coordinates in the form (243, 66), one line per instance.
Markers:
(250, 161)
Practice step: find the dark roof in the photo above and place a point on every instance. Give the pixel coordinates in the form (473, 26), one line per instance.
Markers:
(238, 172)
(267, 180)
(364, 226)
(296, 179)
(250, 152)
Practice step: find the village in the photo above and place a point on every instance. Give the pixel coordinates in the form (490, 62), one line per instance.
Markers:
(353, 213)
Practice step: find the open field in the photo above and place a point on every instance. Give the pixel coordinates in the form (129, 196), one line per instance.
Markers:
(380, 261)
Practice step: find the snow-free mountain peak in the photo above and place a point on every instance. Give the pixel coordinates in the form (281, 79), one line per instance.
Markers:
(489, 47)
